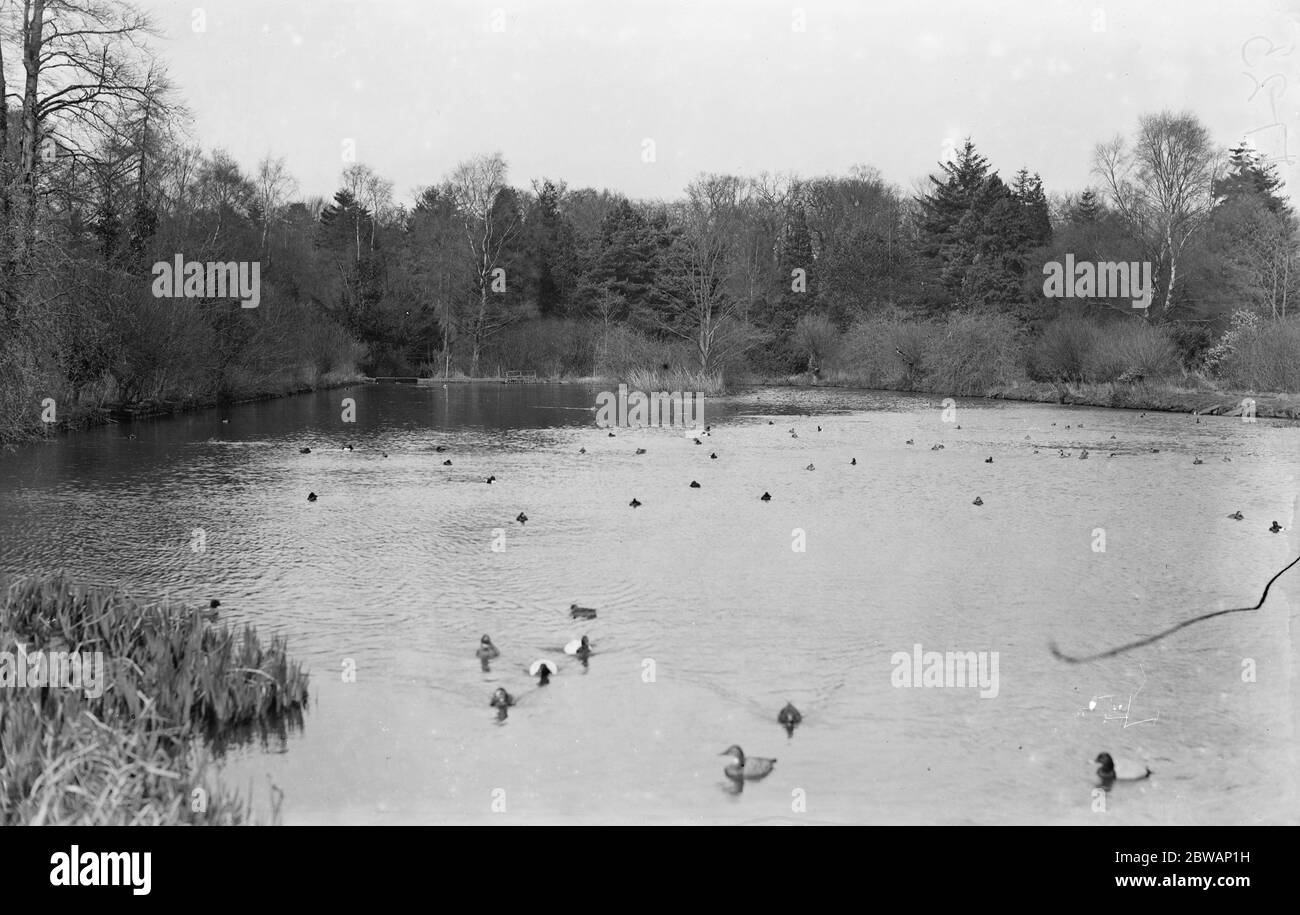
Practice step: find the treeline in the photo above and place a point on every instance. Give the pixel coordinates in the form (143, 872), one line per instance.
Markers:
(773, 275)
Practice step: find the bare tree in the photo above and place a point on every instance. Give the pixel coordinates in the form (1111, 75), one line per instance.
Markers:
(272, 188)
(1162, 186)
(475, 185)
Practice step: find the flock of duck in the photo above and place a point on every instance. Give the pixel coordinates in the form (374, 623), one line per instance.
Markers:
(741, 767)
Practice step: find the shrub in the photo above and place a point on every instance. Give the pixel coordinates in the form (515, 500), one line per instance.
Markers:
(973, 353)
(869, 353)
(1265, 358)
(1131, 348)
(1061, 351)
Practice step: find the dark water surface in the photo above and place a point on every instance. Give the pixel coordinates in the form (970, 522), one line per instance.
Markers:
(708, 620)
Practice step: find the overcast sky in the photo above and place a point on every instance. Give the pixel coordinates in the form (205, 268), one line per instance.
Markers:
(572, 88)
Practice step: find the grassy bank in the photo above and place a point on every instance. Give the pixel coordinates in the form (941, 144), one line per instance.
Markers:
(134, 744)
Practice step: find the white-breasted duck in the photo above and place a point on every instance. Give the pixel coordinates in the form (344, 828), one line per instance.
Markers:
(1111, 770)
(581, 648)
(542, 670)
(749, 768)
(789, 718)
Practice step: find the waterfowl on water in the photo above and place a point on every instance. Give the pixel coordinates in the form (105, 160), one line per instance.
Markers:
(542, 670)
(771, 423)
(749, 768)
(640, 451)
(1237, 516)
(794, 434)
(819, 428)
(225, 420)
(978, 501)
(1083, 455)
(1227, 460)
(713, 456)
(1110, 770)
(311, 497)
(694, 485)
(304, 451)
(810, 467)
(490, 479)
(502, 699)
(634, 503)
(440, 449)
(935, 447)
(521, 517)
(582, 451)
(1276, 528)
(486, 650)
(446, 463)
(214, 603)
(789, 717)
(581, 613)
(611, 435)
(765, 497)
(1198, 461)
(988, 460)
(910, 442)
(698, 442)
(579, 647)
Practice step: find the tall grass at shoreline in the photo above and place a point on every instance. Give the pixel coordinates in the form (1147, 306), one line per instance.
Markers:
(177, 690)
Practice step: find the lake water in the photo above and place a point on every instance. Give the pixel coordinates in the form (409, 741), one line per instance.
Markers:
(709, 619)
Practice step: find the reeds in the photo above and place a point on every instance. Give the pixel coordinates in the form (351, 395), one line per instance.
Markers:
(174, 690)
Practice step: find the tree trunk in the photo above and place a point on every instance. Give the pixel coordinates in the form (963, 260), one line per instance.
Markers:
(33, 39)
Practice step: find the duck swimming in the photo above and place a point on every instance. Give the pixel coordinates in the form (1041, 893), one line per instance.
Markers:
(579, 647)
(490, 479)
(446, 463)
(978, 501)
(810, 467)
(1198, 461)
(582, 451)
(542, 670)
(304, 451)
(311, 497)
(713, 456)
(765, 497)
(853, 463)
(640, 451)
(910, 442)
(486, 650)
(581, 613)
(634, 503)
(988, 460)
(1276, 528)
(1109, 770)
(694, 485)
(521, 518)
(751, 768)
(937, 448)
(440, 449)
(789, 717)
(1083, 455)
(501, 701)
(1237, 516)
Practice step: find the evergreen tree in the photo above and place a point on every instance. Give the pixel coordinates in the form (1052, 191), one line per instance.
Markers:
(1088, 209)
(1028, 192)
(1249, 173)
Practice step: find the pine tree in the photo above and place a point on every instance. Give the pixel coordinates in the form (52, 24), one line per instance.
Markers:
(1028, 192)
(1089, 208)
(1249, 173)
(954, 193)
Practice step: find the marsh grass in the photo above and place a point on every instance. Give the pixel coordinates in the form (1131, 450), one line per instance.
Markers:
(176, 692)
(675, 379)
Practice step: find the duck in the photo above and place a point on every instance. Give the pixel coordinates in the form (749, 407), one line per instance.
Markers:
(486, 650)
(490, 479)
(1083, 455)
(1227, 460)
(1198, 461)
(771, 423)
(978, 501)
(311, 497)
(853, 463)
(579, 647)
(581, 613)
(936, 447)
(698, 442)
(819, 428)
(1237, 516)
(635, 503)
(789, 717)
(910, 442)
(521, 518)
(502, 702)
(794, 434)
(440, 449)
(1108, 770)
(694, 485)
(713, 456)
(214, 603)
(582, 451)
(640, 451)
(988, 460)
(304, 451)
(810, 467)
(611, 435)
(747, 768)
(765, 497)
(542, 670)
(1276, 528)
(446, 463)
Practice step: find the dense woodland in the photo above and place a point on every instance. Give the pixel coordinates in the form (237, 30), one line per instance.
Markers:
(844, 278)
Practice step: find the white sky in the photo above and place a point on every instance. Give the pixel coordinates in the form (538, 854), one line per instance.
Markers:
(571, 88)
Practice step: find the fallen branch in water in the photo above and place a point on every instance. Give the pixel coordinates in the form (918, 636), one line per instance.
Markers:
(1070, 659)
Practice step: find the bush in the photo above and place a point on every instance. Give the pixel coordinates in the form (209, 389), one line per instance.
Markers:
(1061, 351)
(869, 353)
(1132, 348)
(1265, 357)
(816, 339)
(973, 354)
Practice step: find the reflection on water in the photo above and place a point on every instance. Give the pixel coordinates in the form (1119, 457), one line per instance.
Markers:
(715, 608)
